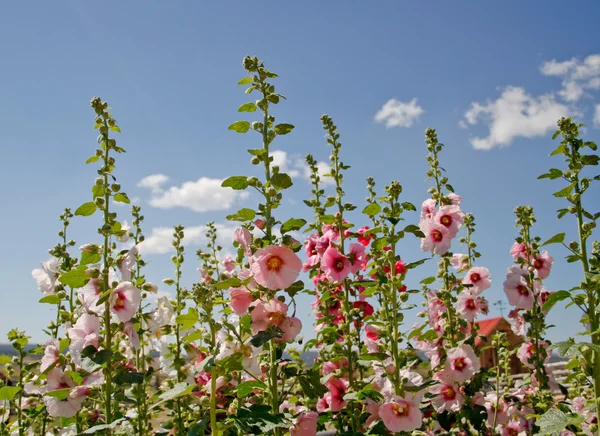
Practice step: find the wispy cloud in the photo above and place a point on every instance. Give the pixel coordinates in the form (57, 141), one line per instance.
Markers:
(160, 239)
(578, 75)
(396, 113)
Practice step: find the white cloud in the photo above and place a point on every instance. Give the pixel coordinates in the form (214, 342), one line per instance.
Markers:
(202, 195)
(161, 238)
(597, 116)
(296, 166)
(154, 182)
(397, 113)
(578, 75)
(514, 114)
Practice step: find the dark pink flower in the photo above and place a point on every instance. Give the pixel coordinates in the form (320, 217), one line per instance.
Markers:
(335, 265)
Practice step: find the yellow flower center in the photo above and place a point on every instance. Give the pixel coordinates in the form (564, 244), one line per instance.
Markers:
(274, 263)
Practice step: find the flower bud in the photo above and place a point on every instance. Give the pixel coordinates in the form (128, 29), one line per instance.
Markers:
(255, 160)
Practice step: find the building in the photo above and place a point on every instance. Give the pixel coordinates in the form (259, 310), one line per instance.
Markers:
(489, 356)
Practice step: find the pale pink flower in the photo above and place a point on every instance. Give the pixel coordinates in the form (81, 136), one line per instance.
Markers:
(437, 239)
(517, 291)
(51, 354)
(450, 217)
(335, 265)
(93, 290)
(274, 313)
(447, 394)
(373, 411)
(229, 263)
(335, 397)
(518, 326)
(243, 237)
(461, 363)
(401, 415)
(125, 300)
(84, 333)
(455, 198)
(428, 209)
(132, 334)
(479, 278)
(543, 264)
(358, 257)
(518, 250)
(459, 262)
(526, 352)
(291, 327)
(469, 306)
(47, 276)
(56, 408)
(127, 263)
(493, 402)
(275, 267)
(305, 425)
(241, 298)
(514, 428)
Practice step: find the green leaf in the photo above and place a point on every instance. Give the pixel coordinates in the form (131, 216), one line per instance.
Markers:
(257, 152)
(553, 173)
(378, 244)
(372, 209)
(246, 388)
(128, 378)
(281, 181)
(566, 191)
(232, 282)
(86, 209)
(374, 356)
(240, 126)
(245, 81)
(92, 359)
(552, 422)
(416, 264)
(292, 224)
(427, 280)
(554, 298)
(76, 278)
(566, 348)
(244, 214)
(556, 239)
(235, 182)
(88, 258)
(199, 429)
(5, 359)
(102, 427)
(187, 320)
(261, 338)
(179, 390)
(590, 159)
(121, 197)
(61, 394)
(92, 159)
(283, 129)
(9, 392)
(50, 299)
(247, 107)
(561, 149)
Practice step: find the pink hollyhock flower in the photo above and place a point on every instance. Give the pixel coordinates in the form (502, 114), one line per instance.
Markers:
(125, 300)
(514, 428)
(85, 332)
(401, 415)
(518, 250)
(93, 290)
(243, 237)
(450, 217)
(241, 298)
(518, 326)
(491, 403)
(372, 332)
(372, 408)
(455, 198)
(310, 248)
(543, 264)
(128, 262)
(447, 394)
(275, 313)
(291, 327)
(468, 306)
(275, 267)
(364, 240)
(229, 263)
(305, 425)
(459, 262)
(358, 257)
(51, 354)
(132, 334)
(67, 408)
(337, 389)
(47, 276)
(335, 265)
(517, 290)
(462, 363)
(428, 209)
(437, 238)
(479, 278)
(526, 352)
(365, 308)
(260, 223)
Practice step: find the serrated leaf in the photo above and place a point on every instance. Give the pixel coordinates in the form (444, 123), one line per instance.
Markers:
(50, 299)
(240, 126)
(552, 422)
(281, 181)
(179, 390)
(559, 238)
(187, 320)
(244, 214)
(554, 298)
(86, 209)
(380, 243)
(566, 191)
(372, 209)
(247, 107)
(235, 182)
(76, 278)
(292, 224)
(121, 197)
(9, 392)
(232, 282)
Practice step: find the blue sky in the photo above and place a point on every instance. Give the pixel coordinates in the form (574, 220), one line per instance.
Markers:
(487, 76)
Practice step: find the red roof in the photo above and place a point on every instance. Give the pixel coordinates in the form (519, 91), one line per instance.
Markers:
(486, 328)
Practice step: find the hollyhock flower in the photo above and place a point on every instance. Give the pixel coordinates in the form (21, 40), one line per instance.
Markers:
(229, 263)
(455, 198)
(335, 265)
(291, 327)
(358, 257)
(372, 408)
(518, 250)
(51, 354)
(132, 334)
(241, 298)
(460, 262)
(243, 237)
(517, 290)
(437, 238)
(305, 425)
(401, 415)
(85, 332)
(274, 313)
(468, 306)
(324, 242)
(518, 326)
(93, 290)
(462, 363)
(275, 267)
(513, 428)
(47, 276)
(125, 236)
(365, 308)
(310, 248)
(249, 354)
(67, 408)
(163, 315)
(447, 394)
(428, 209)
(372, 332)
(526, 352)
(493, 402)
(150, 287)
(543, 264)
(479, 278)
(450, 217)
(128, 263)
(364, 240)
(125, 300)
(335, 397)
